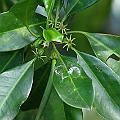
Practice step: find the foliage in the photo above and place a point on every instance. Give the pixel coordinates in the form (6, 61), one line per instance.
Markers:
(34, 73)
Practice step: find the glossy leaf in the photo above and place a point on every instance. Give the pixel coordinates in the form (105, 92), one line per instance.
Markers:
(10, 59)
(100, 52)
(24, 10)
(72, 84)
(14, 35)
(106, 86)
(74, 6)
(15, 86)
(104, 45)
(49, 4)
(56, 109)
(39, 84)
(52, 34)
(114, 65)
(93, 25)
(73, 113)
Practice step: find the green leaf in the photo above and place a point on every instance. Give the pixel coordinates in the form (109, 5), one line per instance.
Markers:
(72, 84)
(74, 6)
(49, 4)
(14, 35)
(46, 92)
(73, 113)
(15, 86)
(52, 34)
(58, 110)
(39, 84)
(55, 108)
(106, 86)
(59, 4)
(114, 65)
(104, 45)
(24, 10)
(10, 59)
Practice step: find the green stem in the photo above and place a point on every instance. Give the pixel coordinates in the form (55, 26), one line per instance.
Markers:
(26, 22)
(56, 18)
(57, 13)
(81, 32)
(47, 24)
(64, 18)
(74, 50)
(46, 93)
(31, 30)
(55, 49)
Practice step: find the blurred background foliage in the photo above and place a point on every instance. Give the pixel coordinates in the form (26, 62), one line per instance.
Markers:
(6, 4)
(102, 17)
(92, 19)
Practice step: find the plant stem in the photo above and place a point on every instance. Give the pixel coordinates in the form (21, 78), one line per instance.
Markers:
(31, 30)
(64, 18)
(26, 23)
(57, 13)
(69, 32)
(55, 49)
(46, 93)
(56, 18)
(74, 50)
(47, 24)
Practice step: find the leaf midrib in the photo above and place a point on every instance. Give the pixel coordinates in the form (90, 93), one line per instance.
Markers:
(93, 38)
(72, 80)
(95, 77)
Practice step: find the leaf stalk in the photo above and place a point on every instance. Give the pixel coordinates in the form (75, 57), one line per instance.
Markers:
(46, 93)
